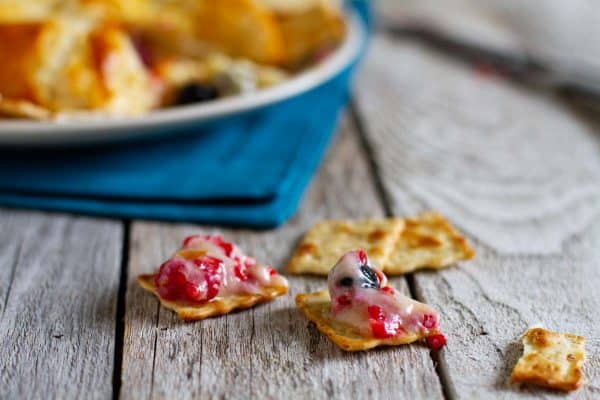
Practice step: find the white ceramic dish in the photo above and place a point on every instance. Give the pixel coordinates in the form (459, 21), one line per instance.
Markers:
(95, 130)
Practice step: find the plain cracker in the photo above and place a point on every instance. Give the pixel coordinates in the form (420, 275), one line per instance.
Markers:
(327, 241)
(551, 359)
(215, 307)
(317, 308)
(427, 241)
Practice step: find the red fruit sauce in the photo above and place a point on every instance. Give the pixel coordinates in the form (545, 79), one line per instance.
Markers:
(195, 281)
(436, 342)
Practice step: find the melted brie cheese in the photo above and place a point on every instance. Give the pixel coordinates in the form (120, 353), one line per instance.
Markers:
(355, 295)
(259, 275)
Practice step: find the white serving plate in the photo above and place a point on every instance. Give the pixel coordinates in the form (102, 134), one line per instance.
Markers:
(166, 121)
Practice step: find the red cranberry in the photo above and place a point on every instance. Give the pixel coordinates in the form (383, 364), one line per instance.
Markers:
(344, 300)
(362, 257)
(429, 321)
(197, 281)
(341, 302)
(240, 272)
(389, 290)
(436, 342)
(213, 273)
(172, 275)
(143, 49)
(381, 330)
(380, 326)
(188, 240)
(228, 248)
(272, 271)
(376, 313)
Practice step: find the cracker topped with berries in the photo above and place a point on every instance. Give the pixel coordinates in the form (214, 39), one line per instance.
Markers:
(360, 311)
(209, 276)
(551, 359)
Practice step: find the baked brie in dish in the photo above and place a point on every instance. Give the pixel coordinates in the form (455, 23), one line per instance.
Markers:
(67, 64)
(128, 57)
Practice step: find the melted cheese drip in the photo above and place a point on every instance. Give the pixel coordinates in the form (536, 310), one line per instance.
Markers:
(400, 311)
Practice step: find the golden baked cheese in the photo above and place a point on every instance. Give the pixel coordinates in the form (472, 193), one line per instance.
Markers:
(126, 57)
(67, 64)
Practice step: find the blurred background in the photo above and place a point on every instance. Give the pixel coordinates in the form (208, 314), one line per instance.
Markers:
(564, 34)
(550, 43)
(132, 58)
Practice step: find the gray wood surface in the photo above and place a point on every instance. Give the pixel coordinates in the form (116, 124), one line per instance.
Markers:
(520, 173)
(271, 351)
(59, 278)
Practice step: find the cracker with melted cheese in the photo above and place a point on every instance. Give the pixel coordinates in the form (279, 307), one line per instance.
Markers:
(215, 307)
(327, 241)
(551, 359)
(427, 241)
(317, 308)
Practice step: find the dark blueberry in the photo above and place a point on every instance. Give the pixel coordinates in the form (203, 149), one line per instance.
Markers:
(347, 281)
(369, 278)
(196, 93)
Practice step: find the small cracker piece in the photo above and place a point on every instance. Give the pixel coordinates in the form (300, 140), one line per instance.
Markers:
(327, 241)
(317, 308)
(551, 359)
(215, 307)
(427, 241)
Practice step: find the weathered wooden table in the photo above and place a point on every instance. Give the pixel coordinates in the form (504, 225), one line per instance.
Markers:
(516, 170)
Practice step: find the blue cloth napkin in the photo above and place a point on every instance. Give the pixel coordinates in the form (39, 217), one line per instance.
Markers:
(249, 170)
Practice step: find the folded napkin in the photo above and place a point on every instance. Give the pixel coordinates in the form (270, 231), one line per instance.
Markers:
(249, 169)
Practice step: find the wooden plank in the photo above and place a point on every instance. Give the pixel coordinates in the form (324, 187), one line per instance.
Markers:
(271, 351)
(519, 172)
(558, 33)
(59, 278)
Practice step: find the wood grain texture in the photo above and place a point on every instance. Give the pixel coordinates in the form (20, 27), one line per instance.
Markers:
(270, 351)
(558, 33)
(516, 170)
(59, 277)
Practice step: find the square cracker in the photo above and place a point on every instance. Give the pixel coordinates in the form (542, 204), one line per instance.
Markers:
(551, 359)
(317, 308)
(427, 241)
(215, 307)
(327, 241)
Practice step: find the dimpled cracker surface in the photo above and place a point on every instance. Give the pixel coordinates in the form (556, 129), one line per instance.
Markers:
(327, 241)
(215, 307)
(317, 308)
(427, 241)
(551, 359)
